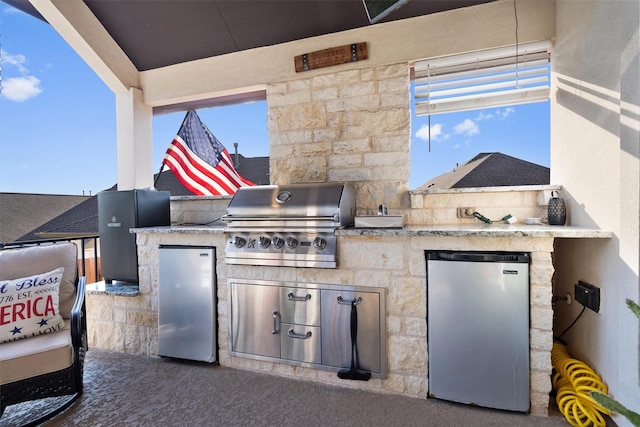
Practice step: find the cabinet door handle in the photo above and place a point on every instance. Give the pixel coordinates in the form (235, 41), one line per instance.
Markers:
(292, 297)
(344, 302)
(276, 322)
(292, 334)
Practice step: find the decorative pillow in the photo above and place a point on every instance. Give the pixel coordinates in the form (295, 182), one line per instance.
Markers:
(29, 306)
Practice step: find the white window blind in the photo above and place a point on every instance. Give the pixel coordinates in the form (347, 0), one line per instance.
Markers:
(483, 79)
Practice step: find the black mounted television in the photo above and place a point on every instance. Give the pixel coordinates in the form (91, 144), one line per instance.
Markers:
(378, 9)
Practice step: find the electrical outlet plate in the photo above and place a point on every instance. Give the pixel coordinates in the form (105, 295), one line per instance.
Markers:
(465, 212)
(543, 197)
(587, 295)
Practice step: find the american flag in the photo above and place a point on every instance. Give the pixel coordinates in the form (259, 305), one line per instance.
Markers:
(201, 162)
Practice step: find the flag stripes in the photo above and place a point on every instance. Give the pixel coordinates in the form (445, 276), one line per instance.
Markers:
(198, 175)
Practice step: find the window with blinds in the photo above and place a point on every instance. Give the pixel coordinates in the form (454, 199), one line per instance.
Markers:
(491, 78)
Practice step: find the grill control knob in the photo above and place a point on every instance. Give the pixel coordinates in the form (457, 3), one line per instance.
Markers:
(265, 242)
(238, 241)
(291, 242)
(319, 243)
(277, 242)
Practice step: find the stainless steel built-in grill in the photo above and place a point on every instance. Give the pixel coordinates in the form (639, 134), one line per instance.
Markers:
(288, 225)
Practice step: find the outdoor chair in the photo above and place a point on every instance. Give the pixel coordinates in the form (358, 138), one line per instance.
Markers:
(43, 332)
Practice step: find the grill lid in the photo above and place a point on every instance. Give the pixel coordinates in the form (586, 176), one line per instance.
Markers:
(325, 205)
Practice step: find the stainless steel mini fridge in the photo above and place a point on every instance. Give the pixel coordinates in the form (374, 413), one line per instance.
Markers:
(478, 328)
(187, 316)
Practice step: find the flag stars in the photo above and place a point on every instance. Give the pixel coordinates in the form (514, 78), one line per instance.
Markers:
(16, 330)
(42, 322)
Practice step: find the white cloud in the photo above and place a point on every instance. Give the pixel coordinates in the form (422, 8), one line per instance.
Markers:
(436, 133)
(499, 114)
(503, 114)
(20, 89)
(483, 116)
(17, 61)
(468, 128)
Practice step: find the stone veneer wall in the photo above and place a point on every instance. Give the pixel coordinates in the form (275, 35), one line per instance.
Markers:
(346, 126)
(202, 210)
(350, 126)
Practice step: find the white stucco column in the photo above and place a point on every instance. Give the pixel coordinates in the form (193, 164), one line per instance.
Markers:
(134, 140)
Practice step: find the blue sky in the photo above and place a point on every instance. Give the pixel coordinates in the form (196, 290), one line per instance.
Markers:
(58, 133)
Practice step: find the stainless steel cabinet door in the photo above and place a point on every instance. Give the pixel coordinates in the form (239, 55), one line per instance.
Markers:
(255, 320)
(186, 303)
(336, 330)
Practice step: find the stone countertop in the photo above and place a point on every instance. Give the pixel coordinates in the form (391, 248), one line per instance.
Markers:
(182, 229)
(472, 230)
(116, 288)
(483, 230)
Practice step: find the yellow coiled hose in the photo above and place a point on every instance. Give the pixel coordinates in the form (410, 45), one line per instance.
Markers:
(573, 381)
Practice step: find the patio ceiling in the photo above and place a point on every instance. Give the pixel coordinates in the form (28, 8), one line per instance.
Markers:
(154, 34)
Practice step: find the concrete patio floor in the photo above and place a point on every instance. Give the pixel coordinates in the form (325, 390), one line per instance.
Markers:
(131, 390)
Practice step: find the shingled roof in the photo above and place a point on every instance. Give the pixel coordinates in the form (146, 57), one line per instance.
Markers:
(82, 219)
(22, 212)
(255, 169)
(491, 170)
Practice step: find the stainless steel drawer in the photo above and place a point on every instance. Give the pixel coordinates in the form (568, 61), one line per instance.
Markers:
(301, 343)
(300, 306)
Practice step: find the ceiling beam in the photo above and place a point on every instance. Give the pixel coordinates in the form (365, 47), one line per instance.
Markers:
(73, 20)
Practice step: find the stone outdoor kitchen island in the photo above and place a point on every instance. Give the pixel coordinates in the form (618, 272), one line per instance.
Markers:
(393, 260)
(354, 126)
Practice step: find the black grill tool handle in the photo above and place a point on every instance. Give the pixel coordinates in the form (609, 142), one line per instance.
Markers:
(353, 373)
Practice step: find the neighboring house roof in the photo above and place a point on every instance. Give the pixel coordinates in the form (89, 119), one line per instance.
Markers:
(22, 212)
(82, 219)
(491, 170)
(255, 169)
(167, 182)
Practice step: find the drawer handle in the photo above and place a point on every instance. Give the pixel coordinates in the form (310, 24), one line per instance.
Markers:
(276, 322)
(298, 336)
(292, 297)
(344, 302)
